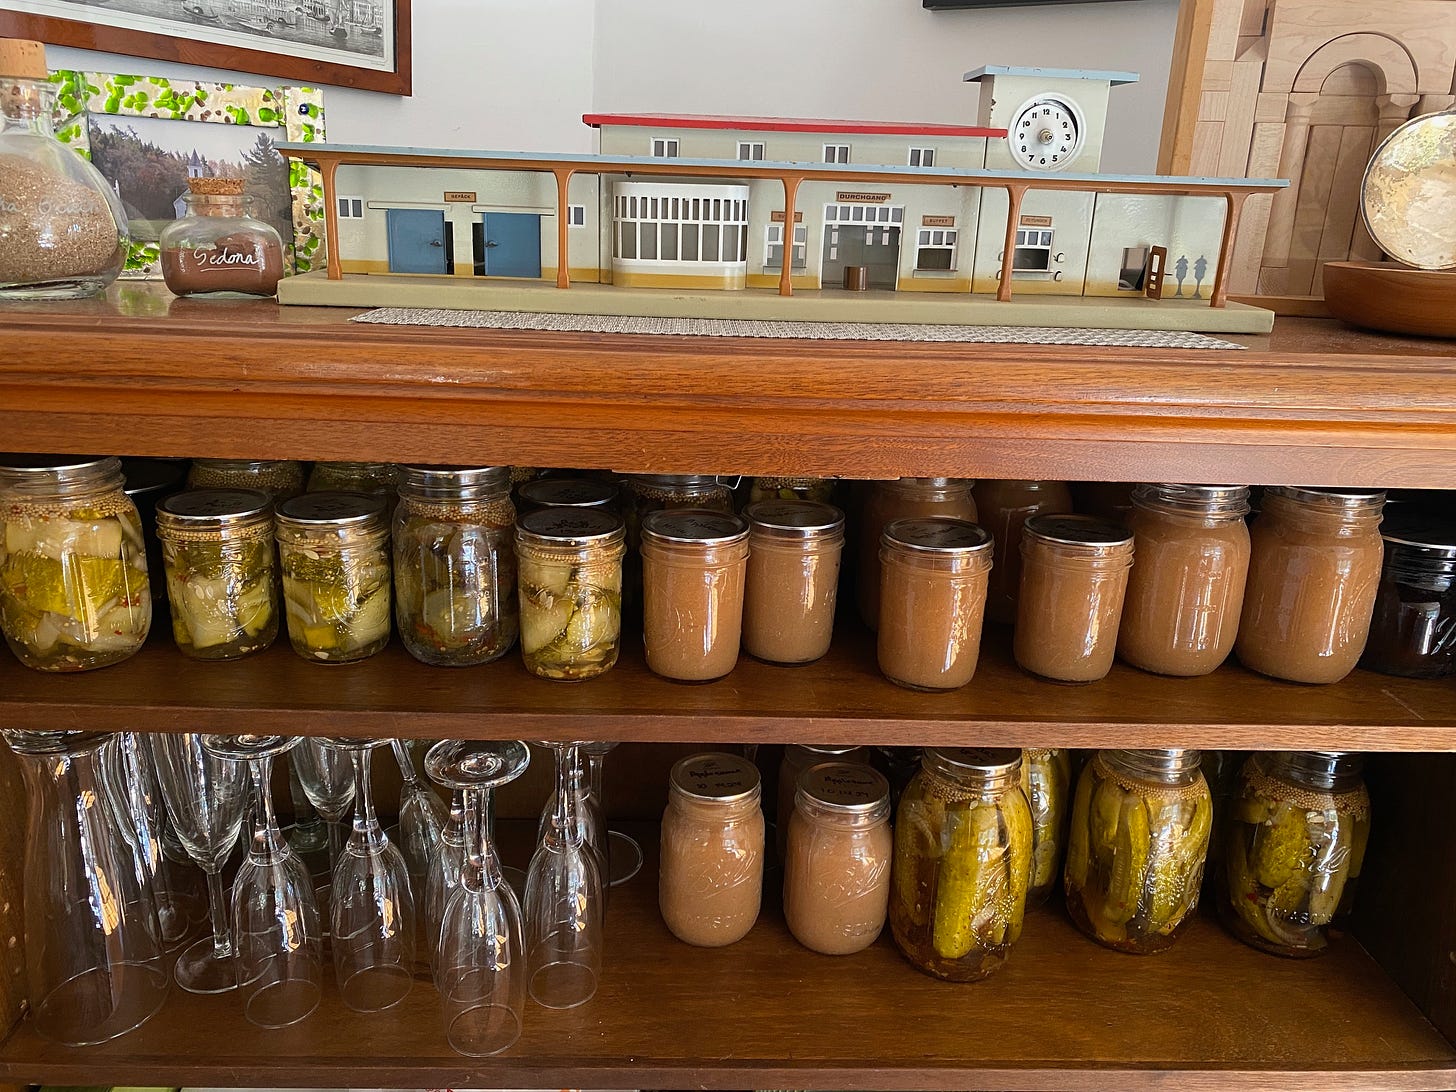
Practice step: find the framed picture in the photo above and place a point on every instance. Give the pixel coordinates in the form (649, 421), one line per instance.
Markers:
(350, 43)
(148, 135)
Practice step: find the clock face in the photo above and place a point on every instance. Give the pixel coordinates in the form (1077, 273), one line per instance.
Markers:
(1045, 134)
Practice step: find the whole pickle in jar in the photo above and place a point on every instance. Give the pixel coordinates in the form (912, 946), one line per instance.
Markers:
(222, 596)
(1046, 779)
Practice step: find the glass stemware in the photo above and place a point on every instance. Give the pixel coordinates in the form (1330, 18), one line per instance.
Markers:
(480, 972)
(422, 821)
(588, 813)
(443, 875)
(623, 853)
(276, 928)
(327, 774)
(204, 796)
(308, 834)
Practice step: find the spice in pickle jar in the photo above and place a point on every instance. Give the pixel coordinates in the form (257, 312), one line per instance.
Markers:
(569, 577)
(797, 758)
(1413, 629)
(646, 493)
(793, 579)
(711, 881)
(279, 478)
(789, 489)
(333, 550)
(73, 567)
(1314, 571)
(569, 493)
(455, 564)
(1003, 507)
(376, 479)
(1294, 847)
(904, 498)
(1135, 854)
(837, 872)
(222, 582)
(694, 565)
(1046, 779)
(932, 601)
(963, 851)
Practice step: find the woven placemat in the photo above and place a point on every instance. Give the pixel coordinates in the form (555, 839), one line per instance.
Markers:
(823, 331)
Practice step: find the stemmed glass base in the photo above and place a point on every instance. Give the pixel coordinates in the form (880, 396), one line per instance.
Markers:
(200, 969)
(624, 857)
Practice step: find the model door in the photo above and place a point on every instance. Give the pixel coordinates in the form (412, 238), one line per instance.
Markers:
(512, 244)
(417, 242)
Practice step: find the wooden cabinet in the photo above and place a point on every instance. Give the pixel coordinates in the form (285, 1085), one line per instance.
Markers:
(1313, 404)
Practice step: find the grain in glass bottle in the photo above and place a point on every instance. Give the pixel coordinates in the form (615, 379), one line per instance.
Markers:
(1413, 627)
(219, 249)
(73, 567)
(694, 566)
(789, 489)
(963, 847)
(1003, 507)
(569, 581)
(904, 498)
(1294, 846)
(333, 551)
(932, 601)
(711, 880)
(1135, 854)
(1185, 593)
(837, 872)
(1073, 580)
(279, 478)
(797, 758)
(1314, 571)
(569, 493)
(222, 580)
(455, 564)
(793, 579)
(1046, 780)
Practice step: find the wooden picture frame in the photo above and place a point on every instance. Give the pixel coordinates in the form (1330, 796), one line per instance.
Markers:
(235, 34)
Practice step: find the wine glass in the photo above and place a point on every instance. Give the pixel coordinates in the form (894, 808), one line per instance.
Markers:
(204, 796)
(589, 815)
(422, 820)
(480, 953)
(443, 875)
(276, 928)
(623, 853)
(308, 834)
(328, 781)
(372, 917)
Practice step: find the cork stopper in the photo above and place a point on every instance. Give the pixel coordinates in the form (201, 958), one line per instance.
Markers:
(216, 187)
(21, 59)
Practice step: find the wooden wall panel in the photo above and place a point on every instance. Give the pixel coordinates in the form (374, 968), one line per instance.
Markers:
(12, 860)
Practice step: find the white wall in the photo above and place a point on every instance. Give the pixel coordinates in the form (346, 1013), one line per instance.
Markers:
(518, 74)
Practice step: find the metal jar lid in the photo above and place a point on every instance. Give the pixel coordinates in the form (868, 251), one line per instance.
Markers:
(716, 778)
(211, 507)
(569, 493)
(429, 477)
(1351, 501)
(362, 511)
(569, 527)
(695, 526)
(828, 748)
(1068, 530)
(848, 787)
(145, 477)
(676, 481)
(1164, 762)
(794, 518)
(973, 763)
(1227, 500)
(937, 535)
(1419, 543)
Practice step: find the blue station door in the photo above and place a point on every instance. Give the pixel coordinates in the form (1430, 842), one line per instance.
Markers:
(512, 244)
(417, 241)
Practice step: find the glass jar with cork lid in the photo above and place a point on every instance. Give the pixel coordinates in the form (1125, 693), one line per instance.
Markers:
(219, 249)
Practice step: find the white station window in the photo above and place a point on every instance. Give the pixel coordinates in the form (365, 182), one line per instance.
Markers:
(351, 208)
(576, 215)
(836, 153)
(922, 157)
(664, 148)
(750, 150)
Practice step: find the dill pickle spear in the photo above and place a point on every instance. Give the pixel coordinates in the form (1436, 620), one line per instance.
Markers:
(1130, 852)
(1078, 852)
(1016, 815)
(1279, 846)
(970, 871)
(917, 841)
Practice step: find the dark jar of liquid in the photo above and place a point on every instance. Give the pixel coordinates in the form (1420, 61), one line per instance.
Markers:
(1413, 630)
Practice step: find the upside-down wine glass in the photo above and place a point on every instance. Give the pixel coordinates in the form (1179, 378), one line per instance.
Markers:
(422, 821)
(623, 853)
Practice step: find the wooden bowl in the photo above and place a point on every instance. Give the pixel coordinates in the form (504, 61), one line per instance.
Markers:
(1394, 298)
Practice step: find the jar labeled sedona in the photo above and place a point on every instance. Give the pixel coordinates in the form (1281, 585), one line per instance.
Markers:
(1003, 507)
(455, 564)
(569, 580)
(1413, 628)
(962, 862)
(73, 567)
(219, 249)
(1313, 576)
(905, 498)
(694, 565)
(793, 580)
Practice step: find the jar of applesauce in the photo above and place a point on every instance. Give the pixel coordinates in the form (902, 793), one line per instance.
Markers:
(797, 758)
(279, 478)
(1073, 578)
(711, 880)
(1046, 779)
(1294, 846)
(1135, 854)
(837, 872)
(1003, 506)
(904, 498)
(793, 579)
(569, 582)
(1180, 615)
(962, 862)
(694, 566)
(932, 601)
(73, 567)
(1314, 571)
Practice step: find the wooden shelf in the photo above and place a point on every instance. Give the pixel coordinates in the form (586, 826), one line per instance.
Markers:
(1064, 1013)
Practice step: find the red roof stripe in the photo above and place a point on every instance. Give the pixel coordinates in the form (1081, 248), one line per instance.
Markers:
(790, 125)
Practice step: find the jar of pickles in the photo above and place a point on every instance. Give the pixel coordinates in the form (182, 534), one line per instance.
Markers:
(962, 862)
(73, 567)
(376, 479)
(1046, 779)
(656, 492)
(279, 478)
(222, 582)
(1294, 847)
(333, 551)
(1003, 507)
(904, 498)
(793, 579)
(797, 758)
(694, 565)
(790, 489)
(569, 581)
(1135, 854)
(569, 493)
(837, 872)
(455, 564)
(1314, 571)
(1413, 628)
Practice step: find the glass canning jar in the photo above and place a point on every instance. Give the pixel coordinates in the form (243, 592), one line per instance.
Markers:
(455, 564)
(1046, 779)
(711, 881)
(655, 492)
(1073, 580)
(962, 862)
(569, 578)
(1294, 846)
(1313, 575)
(569, 493)
(73, 566)
(797, 758)
(793, 579)
(789, 489)
(1413, 627)
(1180, 615)
(837, 871)
(1135, 854)
(219, 249)
(377, 479)
(932, 601)
(1003, 507)
(333, 550)
(279, 478)
(222, 581)
(694, 565)
(904, 498)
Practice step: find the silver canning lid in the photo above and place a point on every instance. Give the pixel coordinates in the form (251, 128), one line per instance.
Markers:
(329, 509)
(982, 762)
(195, 506)
(38, 465)
(1335, 500)
(1171, 760)
(569, 527)
(845, 786)
(456, 477)
(716, 778)
(675, 481)
(144, 475)
(699, 526)
(1231, 500)
(1421, 535)
(1077, 530)
(938, 535)
(794, 519)
(569, 492)
(828, 748)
